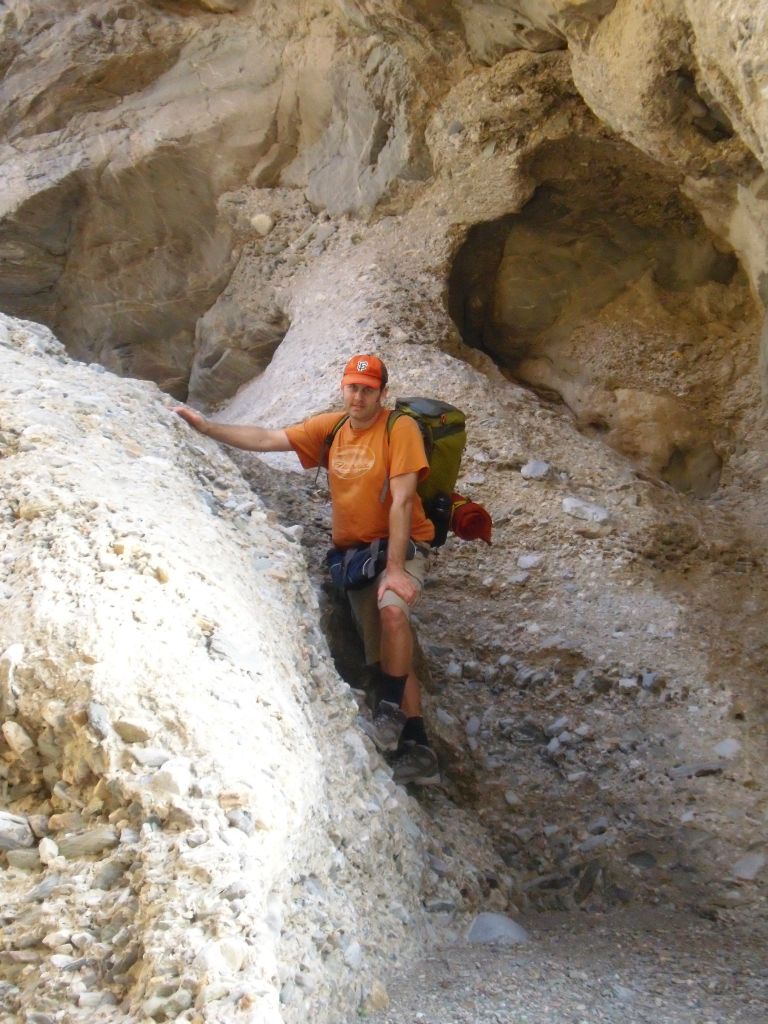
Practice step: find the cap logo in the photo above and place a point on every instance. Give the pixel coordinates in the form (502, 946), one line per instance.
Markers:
(362, 365)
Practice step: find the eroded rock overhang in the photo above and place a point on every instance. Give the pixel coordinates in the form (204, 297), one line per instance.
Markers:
(127, 129)
(607, 291)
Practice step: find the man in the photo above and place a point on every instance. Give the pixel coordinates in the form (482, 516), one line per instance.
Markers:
(372, 474)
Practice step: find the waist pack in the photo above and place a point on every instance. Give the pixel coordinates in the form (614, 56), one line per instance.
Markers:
(355, 568)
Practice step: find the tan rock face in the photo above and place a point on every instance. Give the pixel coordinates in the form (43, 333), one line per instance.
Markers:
(599, 283)
(552, 214)
(658, 75)
(128, 124)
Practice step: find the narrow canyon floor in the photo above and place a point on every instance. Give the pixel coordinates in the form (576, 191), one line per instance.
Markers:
(644, 966)
(634, 867)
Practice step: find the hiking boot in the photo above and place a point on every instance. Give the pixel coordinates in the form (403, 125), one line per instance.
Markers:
(387, 724)
(415, 764)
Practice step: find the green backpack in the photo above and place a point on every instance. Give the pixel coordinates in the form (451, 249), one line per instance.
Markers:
(443, 428)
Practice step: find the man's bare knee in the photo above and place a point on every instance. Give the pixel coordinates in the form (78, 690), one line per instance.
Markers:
(392, 617)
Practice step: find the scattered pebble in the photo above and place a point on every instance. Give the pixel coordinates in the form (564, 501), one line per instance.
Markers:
(585, 510)
(748, 867)
(262, 224)
(536, 470)
(529, 561)
(728, 749)
(496, 928)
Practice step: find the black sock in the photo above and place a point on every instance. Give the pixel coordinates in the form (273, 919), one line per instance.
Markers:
(391, 688)
(414, 731)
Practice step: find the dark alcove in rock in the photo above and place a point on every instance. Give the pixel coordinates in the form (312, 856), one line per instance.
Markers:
(607, 292)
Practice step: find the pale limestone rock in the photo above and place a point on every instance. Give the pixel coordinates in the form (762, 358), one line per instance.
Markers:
(151, 757)
(252, 725)
(223, 957)
(87, 842)
(47, 850)
(498, 928)
(57, 938)
(262, 224)
(24, 860)
(729, 748)
(17, 738)
(135, 730)
(174, 778)
(536, 469)
(748, 867)
(9, 659)
(587, 510)
(15, 832)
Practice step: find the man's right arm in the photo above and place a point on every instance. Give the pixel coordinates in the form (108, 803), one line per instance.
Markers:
(249, 438)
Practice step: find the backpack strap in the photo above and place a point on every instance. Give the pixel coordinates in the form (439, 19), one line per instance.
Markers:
(392, 419)
(326, 449)
(329, 439)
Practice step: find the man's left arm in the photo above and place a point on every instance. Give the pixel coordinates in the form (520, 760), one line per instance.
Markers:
(403, 491)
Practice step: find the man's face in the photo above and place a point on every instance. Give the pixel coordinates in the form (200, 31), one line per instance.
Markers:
(362, 403)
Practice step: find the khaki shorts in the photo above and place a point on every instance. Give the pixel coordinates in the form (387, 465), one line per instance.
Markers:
(365, 607)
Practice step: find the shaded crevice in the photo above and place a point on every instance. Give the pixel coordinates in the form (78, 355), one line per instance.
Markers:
(380, 136)
(702, 112)
(602, 292)
(33, 250)
(122, 270)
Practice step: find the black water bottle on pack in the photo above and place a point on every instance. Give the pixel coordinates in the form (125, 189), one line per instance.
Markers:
(439, 512)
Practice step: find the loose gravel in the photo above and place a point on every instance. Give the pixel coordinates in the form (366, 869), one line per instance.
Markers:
(646, 966)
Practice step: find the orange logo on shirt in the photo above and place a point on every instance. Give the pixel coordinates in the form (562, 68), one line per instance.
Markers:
(353, 462)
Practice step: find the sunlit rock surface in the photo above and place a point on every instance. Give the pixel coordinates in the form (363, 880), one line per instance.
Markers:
(184, 783)
(551, 214)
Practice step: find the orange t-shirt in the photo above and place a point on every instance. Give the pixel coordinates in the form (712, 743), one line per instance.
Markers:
(360, 464)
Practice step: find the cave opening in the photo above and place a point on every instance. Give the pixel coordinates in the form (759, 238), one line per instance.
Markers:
(608, 293)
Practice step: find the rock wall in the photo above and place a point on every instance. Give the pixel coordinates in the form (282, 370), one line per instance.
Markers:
(191, 821)
(126, 125)
(596, 668)
(552, 214)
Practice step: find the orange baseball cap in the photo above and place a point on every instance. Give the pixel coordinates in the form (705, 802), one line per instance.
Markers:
(367, 370)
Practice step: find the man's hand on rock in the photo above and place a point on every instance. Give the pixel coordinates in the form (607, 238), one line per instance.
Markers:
(193, 418)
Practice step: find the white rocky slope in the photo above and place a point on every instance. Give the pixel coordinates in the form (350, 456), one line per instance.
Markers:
(191, 822)
(208, 191)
